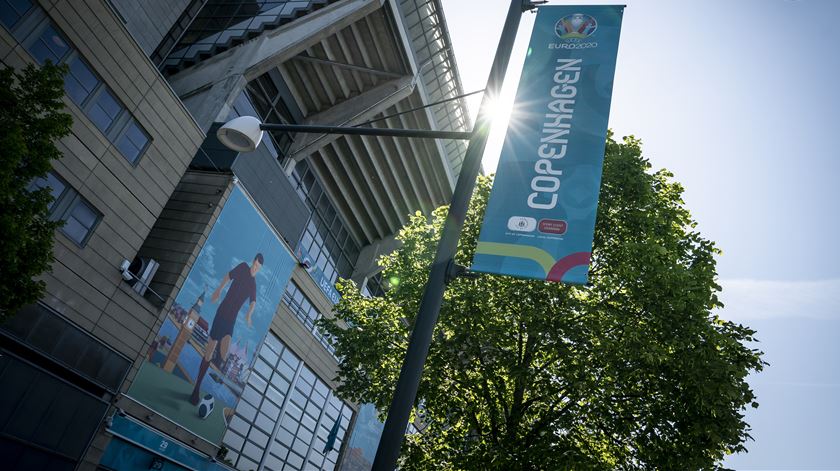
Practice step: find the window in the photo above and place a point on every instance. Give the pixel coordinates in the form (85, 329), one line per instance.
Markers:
(50, 45)
(79, 216)
(11, 11)
(104, 110)
(81, 84)
(80, 81)
(375, 286)
(305, 311)
(133, 141)
(290, 426)
(325, 239)
(55, 185)
(80, 221)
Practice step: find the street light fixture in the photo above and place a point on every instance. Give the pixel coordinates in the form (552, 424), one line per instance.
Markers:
(242, 134)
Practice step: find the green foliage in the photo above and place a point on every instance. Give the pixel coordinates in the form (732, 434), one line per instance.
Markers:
(632, 372)
(31, 119)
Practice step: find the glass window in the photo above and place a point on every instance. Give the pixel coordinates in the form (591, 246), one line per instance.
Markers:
(80, 221)
(270, 410)
(260, 439)
(79, 216)
(257, 382)
(11, 11)
(133, 141)
(239, 425)
(104, 110)
(269, 355)
(49, 46)
(303, 425)
(234, 440)
(54, 183)
(80, 81)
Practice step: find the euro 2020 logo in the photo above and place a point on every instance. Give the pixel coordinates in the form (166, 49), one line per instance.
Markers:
(576, 26)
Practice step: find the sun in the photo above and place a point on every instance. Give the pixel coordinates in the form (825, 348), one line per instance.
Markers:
(499, 110)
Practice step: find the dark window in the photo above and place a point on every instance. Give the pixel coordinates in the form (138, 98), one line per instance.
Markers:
(96, 100)
(325, 239)
(11, 11)
(375, 286)
(104, 110)
(52, 402)
(55, 184)
(306, 312)
(54, 337)
(80, 82)
(133, 141)
(47, 423)
(79, 216)
(50, 45)
(80, 221)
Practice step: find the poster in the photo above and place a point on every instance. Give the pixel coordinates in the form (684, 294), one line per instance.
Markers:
(197, 366)
(540, 217)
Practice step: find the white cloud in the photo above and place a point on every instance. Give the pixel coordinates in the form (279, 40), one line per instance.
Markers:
(760, 299)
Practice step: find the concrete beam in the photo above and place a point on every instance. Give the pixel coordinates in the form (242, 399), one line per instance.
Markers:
(421, 88)
(215, 82)
(342, 65)
(366, 265)
(350, 112)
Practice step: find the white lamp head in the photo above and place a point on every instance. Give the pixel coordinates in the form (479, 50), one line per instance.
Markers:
(242, 134)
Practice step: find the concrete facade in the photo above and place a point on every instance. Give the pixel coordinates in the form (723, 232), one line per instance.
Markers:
(339, 199)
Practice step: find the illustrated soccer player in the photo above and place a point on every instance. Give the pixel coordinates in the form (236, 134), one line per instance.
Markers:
(243, 285)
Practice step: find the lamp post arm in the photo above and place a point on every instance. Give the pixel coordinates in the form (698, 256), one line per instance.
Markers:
(317, 129)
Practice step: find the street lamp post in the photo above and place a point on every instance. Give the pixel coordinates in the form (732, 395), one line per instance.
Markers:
(243, 134)
(421, 336)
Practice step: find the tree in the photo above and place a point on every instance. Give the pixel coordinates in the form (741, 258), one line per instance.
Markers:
(632, 372)
(31, 120)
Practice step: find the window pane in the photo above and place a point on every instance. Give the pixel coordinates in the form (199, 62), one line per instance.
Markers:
(80, 81)
(104, 110)
(80, 221)
(133, 141)
(51, 46)
(83, 213)
(11, 11)
(52, 182)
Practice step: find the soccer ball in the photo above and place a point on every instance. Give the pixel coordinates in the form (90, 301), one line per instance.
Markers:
(205, 406)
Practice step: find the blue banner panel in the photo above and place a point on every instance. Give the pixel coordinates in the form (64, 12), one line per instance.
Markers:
(141, 448)
(540, 217)
(196, 368)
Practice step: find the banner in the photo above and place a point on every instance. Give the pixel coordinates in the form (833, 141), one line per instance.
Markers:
(541, 214)
(196, 368)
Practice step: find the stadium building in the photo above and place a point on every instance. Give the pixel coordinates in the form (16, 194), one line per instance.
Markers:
(178, 326)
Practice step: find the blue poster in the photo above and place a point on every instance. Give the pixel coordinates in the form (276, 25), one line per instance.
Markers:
(540, 217)
(196, 368)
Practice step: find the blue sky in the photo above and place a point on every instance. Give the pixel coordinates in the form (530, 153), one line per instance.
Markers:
(741, 100)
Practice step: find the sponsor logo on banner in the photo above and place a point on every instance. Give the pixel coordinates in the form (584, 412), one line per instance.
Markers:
(540, 217)
(522, 224)
(553, 226)
(576, 26)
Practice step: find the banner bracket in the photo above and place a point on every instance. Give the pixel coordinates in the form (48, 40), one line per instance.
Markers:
(454, 270)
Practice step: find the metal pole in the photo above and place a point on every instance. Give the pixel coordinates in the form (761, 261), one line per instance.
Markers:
(421, 133)
(421, 336)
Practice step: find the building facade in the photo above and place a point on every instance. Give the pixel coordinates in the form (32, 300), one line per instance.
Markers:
(178, 326)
